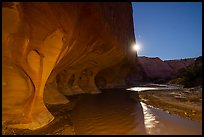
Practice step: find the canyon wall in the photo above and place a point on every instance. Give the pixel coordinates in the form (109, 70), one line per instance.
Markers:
(54, 49)
(155, 68)
(178, 64)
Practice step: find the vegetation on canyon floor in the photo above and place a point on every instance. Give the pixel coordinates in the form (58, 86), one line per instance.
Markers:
(190, 76)
(185, 102)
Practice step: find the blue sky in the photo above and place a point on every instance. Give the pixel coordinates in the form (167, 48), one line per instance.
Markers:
(168, 30)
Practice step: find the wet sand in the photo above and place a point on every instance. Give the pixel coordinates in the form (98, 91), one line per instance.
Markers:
(112, 112)
(185, 102)
(158, 122)
(61, 125)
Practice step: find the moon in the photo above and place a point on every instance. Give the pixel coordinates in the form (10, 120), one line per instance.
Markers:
(136, 47)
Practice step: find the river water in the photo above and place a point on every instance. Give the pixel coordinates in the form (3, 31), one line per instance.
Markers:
(113, 112)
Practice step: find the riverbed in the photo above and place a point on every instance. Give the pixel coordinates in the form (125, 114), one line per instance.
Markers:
(112, 112)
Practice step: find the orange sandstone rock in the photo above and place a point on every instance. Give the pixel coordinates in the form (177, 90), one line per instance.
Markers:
(59, 45)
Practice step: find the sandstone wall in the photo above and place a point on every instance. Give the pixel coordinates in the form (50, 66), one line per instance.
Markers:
(155, 68)
(58, 48)
(178, 64)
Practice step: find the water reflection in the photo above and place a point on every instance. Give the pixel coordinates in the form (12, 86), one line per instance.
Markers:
(149, 119)
(160, 122)
(156, 87)
(111, 112)
(114, 112)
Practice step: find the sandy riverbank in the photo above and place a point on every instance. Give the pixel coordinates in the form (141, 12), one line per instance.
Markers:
(185, 102)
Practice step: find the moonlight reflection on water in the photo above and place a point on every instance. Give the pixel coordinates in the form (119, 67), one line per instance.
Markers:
(113, 112)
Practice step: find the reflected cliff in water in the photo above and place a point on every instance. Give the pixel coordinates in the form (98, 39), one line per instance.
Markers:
(113, 112)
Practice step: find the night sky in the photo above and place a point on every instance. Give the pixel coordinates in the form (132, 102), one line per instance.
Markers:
(168, 30)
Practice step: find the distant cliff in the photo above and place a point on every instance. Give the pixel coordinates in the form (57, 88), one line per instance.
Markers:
(179, 64)
(190, 76)
(155, 69)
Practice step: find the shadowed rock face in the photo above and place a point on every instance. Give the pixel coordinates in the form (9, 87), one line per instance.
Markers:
(51, 49)
(178, 64)
(155, 68)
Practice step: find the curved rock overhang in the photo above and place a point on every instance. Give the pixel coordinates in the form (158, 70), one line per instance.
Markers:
(55, 49)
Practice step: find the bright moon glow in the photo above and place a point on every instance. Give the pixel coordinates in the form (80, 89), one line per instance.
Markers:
(136, 47)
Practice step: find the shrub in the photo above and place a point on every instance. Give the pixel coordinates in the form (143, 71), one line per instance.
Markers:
(190, 76)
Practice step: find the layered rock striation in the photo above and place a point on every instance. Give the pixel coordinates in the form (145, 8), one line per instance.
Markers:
(56, 49)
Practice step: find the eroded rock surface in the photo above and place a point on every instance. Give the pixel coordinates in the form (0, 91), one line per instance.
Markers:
(178, 64)
(155, 68)
(60, 48)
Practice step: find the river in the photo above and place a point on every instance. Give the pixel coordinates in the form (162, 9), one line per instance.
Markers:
(113, 112)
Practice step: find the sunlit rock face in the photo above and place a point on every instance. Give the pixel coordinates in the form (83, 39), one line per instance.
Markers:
(56, 49)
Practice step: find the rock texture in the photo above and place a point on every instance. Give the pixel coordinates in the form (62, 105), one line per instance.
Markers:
(178, 64)
(115, 76)
(59, 48)
(155, 68)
